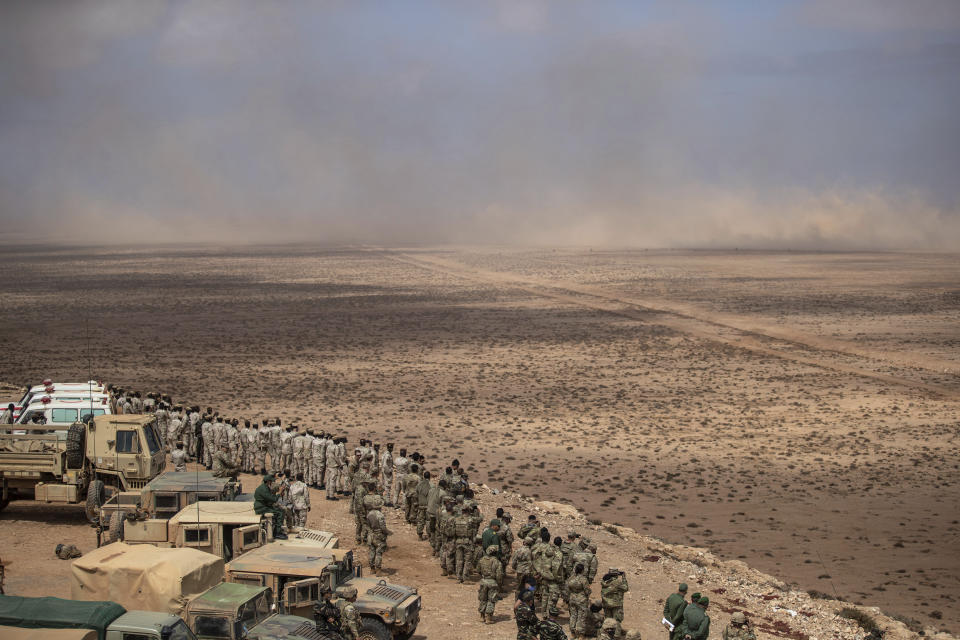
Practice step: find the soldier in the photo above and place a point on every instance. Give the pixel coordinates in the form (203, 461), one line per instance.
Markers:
(592, 569)
(386, 474)
(527, 620)
(332, 462)
(232, 436)
(296, 448)
(612, 587)
(193, 428)
(377, 530)
(219, 432)
(491, 574)
(179, 458)
(491, 536)
(318, 450)
(223, 464)
(67, 552)
(530, 529)
(359, 510)
(464, 529)
(401, 466)
(309, 470)
(578, 598)
(342, 461)
(206, 434)
(242, 429)
(349, 616)
(674, 606)
(448, 537)
(161, 415)
(696, 623)
(739, 628)
(410, 483)
(610, 630)
(423, 497)
(7, 417)
(286, 447)
(300, 499)
(506, 540)
(251, 447)
(263, 446)
(326, 615)
(594, 620)
(434, 497)
(550, 629)
(567, 548)
(174, 428)
(522, 562)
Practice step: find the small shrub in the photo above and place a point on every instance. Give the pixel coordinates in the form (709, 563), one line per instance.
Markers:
(866, 622)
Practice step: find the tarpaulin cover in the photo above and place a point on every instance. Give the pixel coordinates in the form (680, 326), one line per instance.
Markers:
(56, 613)
(143, 577)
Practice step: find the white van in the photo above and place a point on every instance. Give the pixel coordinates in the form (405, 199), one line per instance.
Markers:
(51, 388)
(60, 413)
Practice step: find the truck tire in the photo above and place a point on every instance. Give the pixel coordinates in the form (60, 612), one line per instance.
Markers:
(76, 437)
(96, 493)
(115, 531)
(373, 629)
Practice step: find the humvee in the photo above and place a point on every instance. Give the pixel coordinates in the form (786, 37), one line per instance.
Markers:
(298, 573)
(164, 496)
(225, 529)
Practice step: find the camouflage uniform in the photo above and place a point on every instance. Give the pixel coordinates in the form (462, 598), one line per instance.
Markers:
(410, 483)
(424, 487)
(377, 530)
(491, 573)
(527, 622)
(359, 512)
(548, 565)
(300, 499)
(464, 529)
(179, 459)
(612, 587)
(578, 590)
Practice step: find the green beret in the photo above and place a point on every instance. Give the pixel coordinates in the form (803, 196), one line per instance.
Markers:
(704, 601)
(495, 523)
(267, 477)
(695, 596)
(682, 588)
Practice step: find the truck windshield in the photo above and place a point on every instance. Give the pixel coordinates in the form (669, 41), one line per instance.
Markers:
(212, 627)
(153, 442)
(177, 631)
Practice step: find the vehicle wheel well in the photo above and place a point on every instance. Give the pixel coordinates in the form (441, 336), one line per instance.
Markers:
(372, 628)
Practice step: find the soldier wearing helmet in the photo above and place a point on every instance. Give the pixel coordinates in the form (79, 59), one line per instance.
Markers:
(739, 628)
(349, 616)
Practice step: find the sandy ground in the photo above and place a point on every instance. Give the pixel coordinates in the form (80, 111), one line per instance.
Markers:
(796, 411)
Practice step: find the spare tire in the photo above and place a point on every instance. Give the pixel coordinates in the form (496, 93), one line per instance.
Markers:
(76, 437)
(96, 494)
(115, 532)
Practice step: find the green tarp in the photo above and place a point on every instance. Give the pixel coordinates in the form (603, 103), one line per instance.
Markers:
(57, 613)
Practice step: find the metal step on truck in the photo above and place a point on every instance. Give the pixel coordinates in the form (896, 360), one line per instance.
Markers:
(83, 464)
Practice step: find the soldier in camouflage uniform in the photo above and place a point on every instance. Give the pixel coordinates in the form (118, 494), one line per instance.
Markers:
(522, 561)
(386, 474)
(349, 616)
(434, 498)
(179, 458)
(567, 549)
(410, 483)
(548, 567)
(739, 628)
(491, 574)
(326, 615)
(223, 464)
(359, 511)
(550, 629)
(377, 530)
(612, 587)
(530, 530)
(446, 536)
(506, 540)
(527, 620)
(423, 495)
(300, 501)
(593, 621)
(464, 528)
(578, 599)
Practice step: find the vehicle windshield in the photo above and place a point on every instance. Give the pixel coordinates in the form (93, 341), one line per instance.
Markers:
(212, 627)
(178, 631)
(153, 441)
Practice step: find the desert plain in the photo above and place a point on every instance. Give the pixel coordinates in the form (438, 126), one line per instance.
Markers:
(794, 410)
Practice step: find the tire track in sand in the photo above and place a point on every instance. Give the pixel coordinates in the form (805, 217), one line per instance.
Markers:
(700, 323)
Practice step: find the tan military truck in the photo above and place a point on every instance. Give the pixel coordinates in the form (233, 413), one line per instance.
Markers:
(298, 573)
(81, 464)
(164, 496)
(187, 584)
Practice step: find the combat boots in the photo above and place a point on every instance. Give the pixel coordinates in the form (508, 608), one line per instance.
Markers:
(488, 618)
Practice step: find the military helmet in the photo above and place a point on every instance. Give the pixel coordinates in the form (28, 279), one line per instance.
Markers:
(609, 623)
(493, 550)
(375, 502)
(347, 592)
(57, 550)
(738, 617)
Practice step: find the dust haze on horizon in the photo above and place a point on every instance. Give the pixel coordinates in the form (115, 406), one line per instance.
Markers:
(818, 124)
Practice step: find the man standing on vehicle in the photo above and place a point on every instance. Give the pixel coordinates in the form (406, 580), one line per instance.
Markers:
(265, 501)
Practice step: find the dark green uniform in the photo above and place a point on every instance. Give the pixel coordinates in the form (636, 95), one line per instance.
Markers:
(265, 501)
(695, 623)
(673, 608)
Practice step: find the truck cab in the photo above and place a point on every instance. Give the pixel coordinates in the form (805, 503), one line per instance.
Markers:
(228, 611)
(298, 573)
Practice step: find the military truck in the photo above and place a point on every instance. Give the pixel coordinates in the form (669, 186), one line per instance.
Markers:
(164, 496)
(184, 583)
(298, 573)
(80, 464)
(108, 620)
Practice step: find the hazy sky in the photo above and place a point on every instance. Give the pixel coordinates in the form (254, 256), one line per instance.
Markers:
(825, 123)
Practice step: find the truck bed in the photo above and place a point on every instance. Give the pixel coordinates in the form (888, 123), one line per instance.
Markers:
(30, 454)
